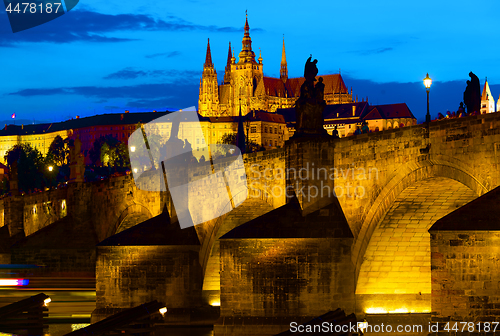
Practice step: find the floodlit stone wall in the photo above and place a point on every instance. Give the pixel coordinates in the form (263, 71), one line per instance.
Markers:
(465, 276)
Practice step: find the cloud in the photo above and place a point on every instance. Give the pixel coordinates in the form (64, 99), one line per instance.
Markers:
(373, 51)
(90, 26)
(127, 73)
(165, 54)
(168, 75)
(112, 107)
(154, 96)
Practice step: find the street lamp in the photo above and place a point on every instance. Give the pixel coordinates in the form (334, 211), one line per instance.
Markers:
(51, 168)
(427, 84)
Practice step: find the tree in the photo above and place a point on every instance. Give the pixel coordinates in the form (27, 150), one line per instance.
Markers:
(110, 152)
(230, 139)
(58, 151)
(30, 166)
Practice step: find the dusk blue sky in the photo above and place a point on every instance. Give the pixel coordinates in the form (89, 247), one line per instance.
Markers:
(111, 56)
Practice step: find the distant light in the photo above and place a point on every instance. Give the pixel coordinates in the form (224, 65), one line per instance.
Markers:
(34, 209)
(13, 282)
(77, 117)
(163, 310)
(154, 110)
(362, 326)
(215, 303)
(51, 168)
(135, 170)
(46, 301)
(132, 149)
(126, 111)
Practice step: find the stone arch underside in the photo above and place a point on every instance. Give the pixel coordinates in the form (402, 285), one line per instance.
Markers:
(251, 208)
(397, 259)
(132, 215)
(401, 179)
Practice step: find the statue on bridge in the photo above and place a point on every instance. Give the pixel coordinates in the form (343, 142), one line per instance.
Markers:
(311, 103)
(472, 95)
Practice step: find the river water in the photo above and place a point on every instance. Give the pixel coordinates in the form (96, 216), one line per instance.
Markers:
(72, 302)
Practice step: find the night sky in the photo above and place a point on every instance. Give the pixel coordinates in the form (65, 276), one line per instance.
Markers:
(111, 56)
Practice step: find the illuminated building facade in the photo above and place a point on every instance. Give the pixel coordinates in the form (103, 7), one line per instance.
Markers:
(349, 117)
(245, 85)
(265, 129)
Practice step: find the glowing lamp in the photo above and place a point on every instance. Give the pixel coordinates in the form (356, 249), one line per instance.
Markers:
(132, 149)
(51, 168)
(135, 170)
(46, 302)
(427, 82)
(163, 310)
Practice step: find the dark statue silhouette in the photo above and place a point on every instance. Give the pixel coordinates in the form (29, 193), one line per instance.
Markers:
(472, 95)
(310, 105)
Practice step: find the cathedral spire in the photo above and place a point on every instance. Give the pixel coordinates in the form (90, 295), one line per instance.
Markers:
(208, 58)
(246, 54)
(284, 69)
(229, 54)
(227, 72)
(247, 27)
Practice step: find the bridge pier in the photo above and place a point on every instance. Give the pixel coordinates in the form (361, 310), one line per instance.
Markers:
(285, 267)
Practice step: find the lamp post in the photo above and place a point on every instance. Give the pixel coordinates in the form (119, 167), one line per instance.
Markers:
(427, 84)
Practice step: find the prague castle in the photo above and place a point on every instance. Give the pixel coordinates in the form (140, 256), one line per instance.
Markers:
(245, 85)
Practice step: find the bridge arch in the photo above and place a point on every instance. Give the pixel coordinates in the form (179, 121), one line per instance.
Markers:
(395, 274)
(251, 208)
(428, 166)
(132, 215)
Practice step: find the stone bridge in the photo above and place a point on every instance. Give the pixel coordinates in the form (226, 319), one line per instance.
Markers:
(391, 186)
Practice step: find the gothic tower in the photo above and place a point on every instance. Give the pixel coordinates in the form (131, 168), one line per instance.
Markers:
(227, 72)
(283, 69)
(208, 101)
(245, 75)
